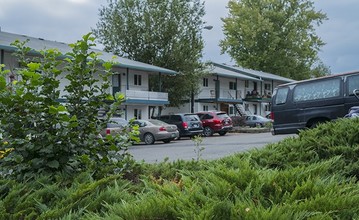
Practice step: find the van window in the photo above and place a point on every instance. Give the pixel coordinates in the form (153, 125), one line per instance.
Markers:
(281, 96)
(353, 83)
(317, 90)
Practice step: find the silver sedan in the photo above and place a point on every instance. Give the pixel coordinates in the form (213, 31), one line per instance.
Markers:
(154, 130)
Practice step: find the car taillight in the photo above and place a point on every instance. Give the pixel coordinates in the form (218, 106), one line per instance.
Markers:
(216, 121)
(108, 131)
(272, 115)
(162, 128)
(185, 125)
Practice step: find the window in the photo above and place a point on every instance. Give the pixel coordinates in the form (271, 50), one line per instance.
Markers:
(255, 86)
(232, 86)
(137, 113)
(267, 86)
(137, 80)
(246, 107)
(281, 97)
(205, 108)
(116, 80)
(317, 90)
(176, 118)
(207, 116)
(205, 82)
(353, 83)
(267, 108)
(246, 84)
(255, 109)
(231, 110)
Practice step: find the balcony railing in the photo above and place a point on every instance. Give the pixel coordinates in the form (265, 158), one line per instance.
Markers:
(146, 95)
(210, 93)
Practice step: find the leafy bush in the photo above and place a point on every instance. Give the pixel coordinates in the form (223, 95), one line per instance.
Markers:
(48, 136)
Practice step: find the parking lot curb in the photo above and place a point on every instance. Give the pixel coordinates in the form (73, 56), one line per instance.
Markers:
(249, 130)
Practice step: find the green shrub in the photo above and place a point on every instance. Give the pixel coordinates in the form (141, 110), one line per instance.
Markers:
(47, 136)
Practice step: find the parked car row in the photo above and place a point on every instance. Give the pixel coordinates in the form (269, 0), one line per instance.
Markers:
(150, 130)
(169, 127)
(200, 123)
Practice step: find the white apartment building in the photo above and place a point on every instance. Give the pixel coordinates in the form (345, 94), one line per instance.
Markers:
(130, 77)
(234, 90)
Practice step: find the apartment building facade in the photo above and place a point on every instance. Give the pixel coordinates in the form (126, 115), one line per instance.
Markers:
(130, 77)
(234, 90)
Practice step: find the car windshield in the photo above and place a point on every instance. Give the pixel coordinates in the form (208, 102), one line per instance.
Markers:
(191, 118)
(157, 122)
(116, 122)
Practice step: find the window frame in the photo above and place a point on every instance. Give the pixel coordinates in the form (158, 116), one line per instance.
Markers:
(137, 80)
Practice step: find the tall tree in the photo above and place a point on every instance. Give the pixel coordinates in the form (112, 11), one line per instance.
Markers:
(276, 36)
(162, 33)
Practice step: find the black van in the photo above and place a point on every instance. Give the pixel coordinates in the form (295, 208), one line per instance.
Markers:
(188, 124)
(306, 103)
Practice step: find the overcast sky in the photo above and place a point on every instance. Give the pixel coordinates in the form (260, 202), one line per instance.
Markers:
(67, 20)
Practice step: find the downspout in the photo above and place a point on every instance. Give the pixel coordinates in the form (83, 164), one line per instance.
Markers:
(2, 58)
(127, 88)
(159, 82)
(127, 79)
(236, 88)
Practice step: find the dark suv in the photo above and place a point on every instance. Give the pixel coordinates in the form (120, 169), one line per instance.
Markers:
(188, 125)
(215, 122)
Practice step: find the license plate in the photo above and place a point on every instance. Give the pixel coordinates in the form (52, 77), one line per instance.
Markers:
(173, 135)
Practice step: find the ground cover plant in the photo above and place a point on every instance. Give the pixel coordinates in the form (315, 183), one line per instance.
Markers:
(312, 176)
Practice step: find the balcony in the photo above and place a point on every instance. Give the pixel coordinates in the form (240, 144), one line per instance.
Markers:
(223, 95)
(146, 97)
(254, 96)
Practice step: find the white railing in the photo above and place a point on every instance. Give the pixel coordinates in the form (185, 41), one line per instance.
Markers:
(210, 93)
(146, 95)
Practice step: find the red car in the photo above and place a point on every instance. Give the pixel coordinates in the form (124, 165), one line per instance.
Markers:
(215, 122)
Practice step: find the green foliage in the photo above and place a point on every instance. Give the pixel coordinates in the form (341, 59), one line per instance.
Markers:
(162, 33)
(311, 176)
(275, 36)
(44, 135)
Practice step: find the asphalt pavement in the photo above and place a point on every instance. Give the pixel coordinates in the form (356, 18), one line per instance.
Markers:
(213, 147)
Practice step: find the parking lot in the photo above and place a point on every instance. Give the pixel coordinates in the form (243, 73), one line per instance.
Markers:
(214, 147)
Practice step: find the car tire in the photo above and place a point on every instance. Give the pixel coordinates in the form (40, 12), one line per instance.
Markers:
(207, 131)
(149, 138)
(167, 141)
(222, 133)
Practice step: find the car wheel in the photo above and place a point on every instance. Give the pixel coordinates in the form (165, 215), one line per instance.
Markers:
(222, 133)
(167, 141)
(258, 125)
(207, 131)
(149, 138)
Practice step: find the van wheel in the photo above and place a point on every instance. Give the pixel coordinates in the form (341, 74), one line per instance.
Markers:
(207, 131)
(149, 138)
(315, 124)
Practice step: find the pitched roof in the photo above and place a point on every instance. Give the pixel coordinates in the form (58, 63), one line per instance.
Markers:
(254, 73)
(230, 73)
(40, 44)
